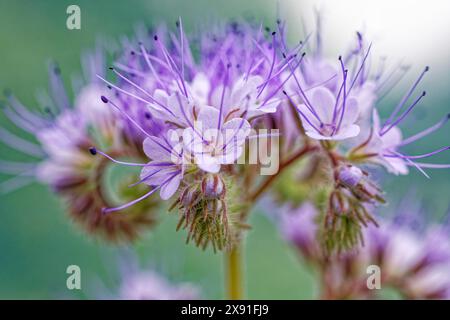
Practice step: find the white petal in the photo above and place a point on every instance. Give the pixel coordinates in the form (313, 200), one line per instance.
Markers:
(208, 163)
(208, 117)
(156, 149)
(351, 112)
(347, 132)
(323, 102)
(170, 188)
(392, 138)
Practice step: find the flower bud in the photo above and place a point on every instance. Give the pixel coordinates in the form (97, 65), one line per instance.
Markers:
(213, 186)
(190, 196)
(214, 206)
(350, 176)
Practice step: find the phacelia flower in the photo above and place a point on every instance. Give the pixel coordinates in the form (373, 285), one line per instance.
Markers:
(384, 140)
(209, 104)
(62, 161)
(414, 262)
(213, 142)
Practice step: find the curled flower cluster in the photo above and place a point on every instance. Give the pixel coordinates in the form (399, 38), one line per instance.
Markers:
(188, 111)
(208, 108)
(337, 117)
(63, 133)
(413, 262)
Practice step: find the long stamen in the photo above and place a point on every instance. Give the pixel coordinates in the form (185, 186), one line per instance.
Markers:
(10, 167)
(405, 98)
(171, 62)
(180, 25)
(258, 46)
(130, 70)
(392, 85)
(145, 178)
(124, 91)
(276, 74)
(94, 151)
(425, 155)
(283, 83)
(301, 113)
(381, 69)
(271, 66)
(105, 100)
(426, 132)
(307, 103)
(131, 203)
(402, 116)
(20, 144)
(148, 194)
(19, 121)
(433, 165)
(150, 65)
(225, 83)
(339, 94)
(157, 60)
(15, 183)
(23, 112)
(318, 33)
(57, 88)
(141, 89)
(344, 100)
(412, 163)
(360, 69)
(390, 75)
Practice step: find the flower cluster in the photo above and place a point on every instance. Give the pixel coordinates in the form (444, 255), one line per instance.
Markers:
(413, 262)
(209, 108)
(188, 109)
(58, 157)
(335, 111)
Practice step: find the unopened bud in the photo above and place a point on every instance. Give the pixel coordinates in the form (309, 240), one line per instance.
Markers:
(214, 206)
(190, 196)
(350, 176)
(213, 186)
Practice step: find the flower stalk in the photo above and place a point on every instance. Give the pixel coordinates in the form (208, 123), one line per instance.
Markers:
(233, 272)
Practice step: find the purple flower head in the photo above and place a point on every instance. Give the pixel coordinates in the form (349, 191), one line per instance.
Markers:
(321, 117)
(213, 143)
(211, 100)
(234, 74)
(384, 140)
(328, 97)
(415, 262)
(59, 154)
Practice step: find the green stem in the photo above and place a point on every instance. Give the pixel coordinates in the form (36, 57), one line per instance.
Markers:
(233, 269)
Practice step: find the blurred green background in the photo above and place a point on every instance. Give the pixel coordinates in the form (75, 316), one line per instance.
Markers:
(38, 242)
